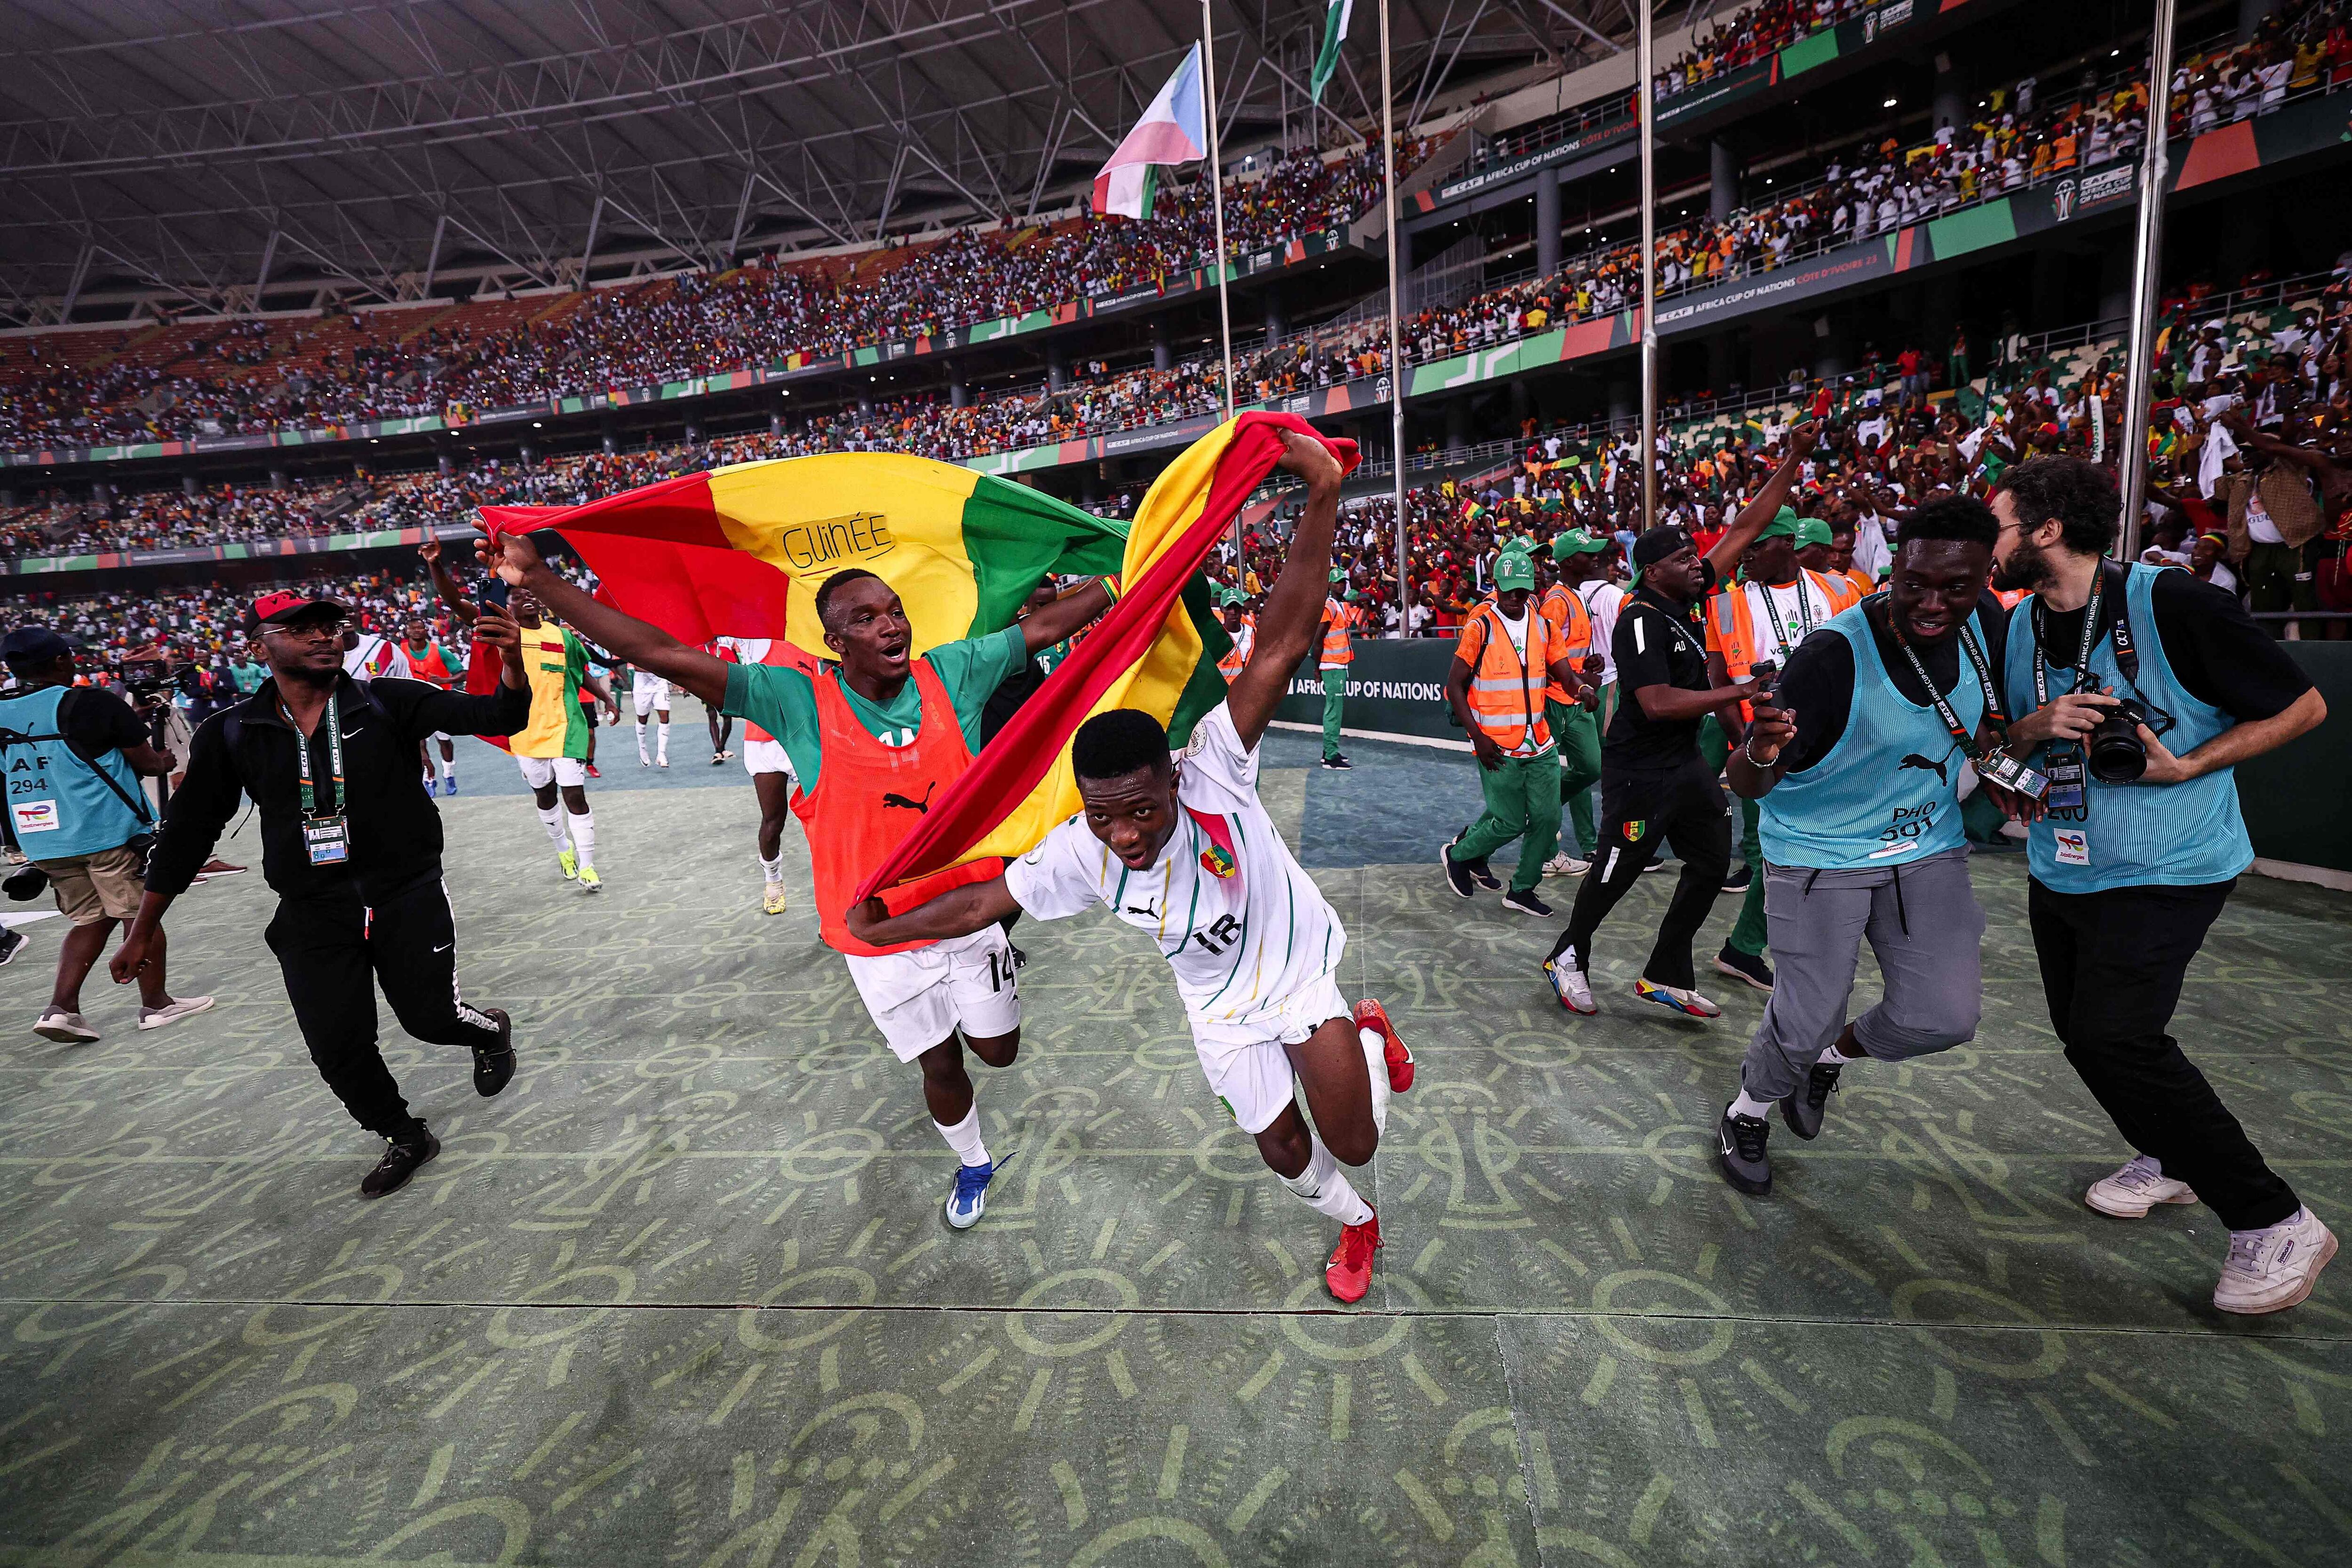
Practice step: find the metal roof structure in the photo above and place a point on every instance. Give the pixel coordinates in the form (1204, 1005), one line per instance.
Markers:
(369, 144)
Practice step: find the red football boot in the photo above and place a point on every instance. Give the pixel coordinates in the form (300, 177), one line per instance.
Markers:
(1370, 1015)
(1350, 1273)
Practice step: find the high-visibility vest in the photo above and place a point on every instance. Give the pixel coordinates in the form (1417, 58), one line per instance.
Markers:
(1573, 624)
(1338, 619)
(1863, 586)
(1245, 641)
(1506, 688)
(1733, 617)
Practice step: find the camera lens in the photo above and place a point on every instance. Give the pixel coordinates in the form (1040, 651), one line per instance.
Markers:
(2116, 755)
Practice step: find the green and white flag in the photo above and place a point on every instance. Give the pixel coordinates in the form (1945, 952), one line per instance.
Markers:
(1334, 33)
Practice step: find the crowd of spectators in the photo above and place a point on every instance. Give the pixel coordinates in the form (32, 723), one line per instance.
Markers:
(349, 368)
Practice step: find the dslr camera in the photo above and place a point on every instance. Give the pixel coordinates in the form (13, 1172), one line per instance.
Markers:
(2114, 751)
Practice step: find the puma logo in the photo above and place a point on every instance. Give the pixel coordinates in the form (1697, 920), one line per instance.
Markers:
(1915, 761)
(891, 799)
(1144, 909)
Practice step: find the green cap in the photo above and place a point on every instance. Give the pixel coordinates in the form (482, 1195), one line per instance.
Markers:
(1577, 542)
(1783, 526)
(1513, 569)
(1812, 531)
(1338, 575)
(1349, 595)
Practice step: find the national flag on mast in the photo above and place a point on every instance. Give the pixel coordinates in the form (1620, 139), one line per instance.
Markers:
(1173, 129)
(1326, 61)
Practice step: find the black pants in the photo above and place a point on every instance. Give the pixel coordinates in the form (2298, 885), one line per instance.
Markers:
(2112, 964)
(334, 954)
(1681, 806)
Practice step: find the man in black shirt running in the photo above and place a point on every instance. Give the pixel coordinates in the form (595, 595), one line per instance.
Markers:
(1653, 786)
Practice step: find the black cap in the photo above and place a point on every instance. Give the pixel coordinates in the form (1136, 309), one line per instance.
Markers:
(1655, 546)
(34, 645)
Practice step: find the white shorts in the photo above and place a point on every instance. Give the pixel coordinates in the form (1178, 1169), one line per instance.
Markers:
(649, 692)
(768, 757)
(1246, 1063)
(541, 771)
(917, 999)
(437, 735)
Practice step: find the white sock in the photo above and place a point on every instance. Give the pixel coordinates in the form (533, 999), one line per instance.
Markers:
(1326, 1188)
(1376, 1062)
(1747, 1105)
(449, 767)
(552, 818)
(642, 756)
(661, 745)
(771, 871)
(965, 1137)
(1836, 1056)
(583, 835)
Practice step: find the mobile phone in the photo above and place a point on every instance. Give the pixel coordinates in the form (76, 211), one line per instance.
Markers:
(1764, 672)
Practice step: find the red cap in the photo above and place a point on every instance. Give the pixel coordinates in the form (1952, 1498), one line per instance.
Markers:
(283, 604)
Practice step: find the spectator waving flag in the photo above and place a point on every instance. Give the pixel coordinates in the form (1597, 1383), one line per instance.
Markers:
(1156, 650)
(1172, 131)
(1326, 60)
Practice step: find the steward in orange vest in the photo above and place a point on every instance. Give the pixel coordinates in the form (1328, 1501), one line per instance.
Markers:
(1507, 655)
(1340, 617)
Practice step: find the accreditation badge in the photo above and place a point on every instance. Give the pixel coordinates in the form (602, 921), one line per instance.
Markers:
(328, 839)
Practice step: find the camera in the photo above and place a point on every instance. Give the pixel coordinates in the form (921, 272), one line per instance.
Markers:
(1764, 672)
(2116, 751)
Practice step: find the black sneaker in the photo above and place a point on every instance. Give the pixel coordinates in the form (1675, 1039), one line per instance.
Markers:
(399, 1163)
(1748, 968)
(1740, 1150)
(1527, 903)
(1336, 761)
(1457, 872)
(1804, 1109)
(12, 942)
(494, 1065)
(1480, 872)
(1741, 875)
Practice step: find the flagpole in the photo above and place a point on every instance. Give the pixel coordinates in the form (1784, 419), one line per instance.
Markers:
(1396, 335)
(2147, 266)
(1646, 100)
(1217, 191)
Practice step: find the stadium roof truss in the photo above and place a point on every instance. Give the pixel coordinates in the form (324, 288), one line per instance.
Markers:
(369, 147)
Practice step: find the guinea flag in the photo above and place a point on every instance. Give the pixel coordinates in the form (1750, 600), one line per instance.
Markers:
(1156, 650)
(741, 551)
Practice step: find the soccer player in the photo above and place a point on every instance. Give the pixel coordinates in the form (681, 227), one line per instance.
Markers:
(772, 779)
(436, 666)
(873, 738)
(1181, 848)
(649, 694)
(552, 749)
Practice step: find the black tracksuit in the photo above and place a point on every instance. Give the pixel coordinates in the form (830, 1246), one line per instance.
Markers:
(381, 917)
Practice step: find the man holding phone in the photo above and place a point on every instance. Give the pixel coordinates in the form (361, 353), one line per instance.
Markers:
(1854, 758)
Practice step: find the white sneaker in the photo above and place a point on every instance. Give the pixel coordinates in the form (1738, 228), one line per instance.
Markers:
(2138, 1187)
(2269, 1270)
(65, 1029)
(172, 1012)
(1688, 1002)
(1566, 865)
(1568, 984)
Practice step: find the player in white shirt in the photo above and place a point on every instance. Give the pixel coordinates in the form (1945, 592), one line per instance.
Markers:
(649, 694)
(1181, 847)
(369, 656)
(772, 779)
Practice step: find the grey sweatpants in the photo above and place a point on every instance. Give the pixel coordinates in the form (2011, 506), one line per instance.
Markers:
(1923, 924)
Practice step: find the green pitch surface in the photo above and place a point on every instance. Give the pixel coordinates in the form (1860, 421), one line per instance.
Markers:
(682, 1295)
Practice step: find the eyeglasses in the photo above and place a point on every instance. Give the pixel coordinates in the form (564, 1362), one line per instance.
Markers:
(308, 629)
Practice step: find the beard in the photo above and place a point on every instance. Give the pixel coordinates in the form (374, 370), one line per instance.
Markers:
(2028, 568)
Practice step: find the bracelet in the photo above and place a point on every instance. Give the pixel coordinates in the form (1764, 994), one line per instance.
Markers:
(1747, 750)
(1109, 586)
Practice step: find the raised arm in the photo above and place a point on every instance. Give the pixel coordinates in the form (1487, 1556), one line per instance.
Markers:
(1293, 610)
(445, 584)
(628, 638)
(1066, 617)
(1725, 556)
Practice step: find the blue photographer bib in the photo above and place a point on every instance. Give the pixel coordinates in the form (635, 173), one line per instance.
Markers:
(2133, 835)
(1888, 791)
(58, 804)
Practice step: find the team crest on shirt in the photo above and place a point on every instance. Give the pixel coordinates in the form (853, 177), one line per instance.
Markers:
(1218, 861)
(1635, 828)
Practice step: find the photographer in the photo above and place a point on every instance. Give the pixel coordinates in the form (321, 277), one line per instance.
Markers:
(74, 756)
(352, 847)
(1854, 759)
(2141, 688)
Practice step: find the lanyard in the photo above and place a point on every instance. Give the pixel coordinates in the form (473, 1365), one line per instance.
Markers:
(331, 722)
(2090, 642)
(1959, 731)
(1780, 628)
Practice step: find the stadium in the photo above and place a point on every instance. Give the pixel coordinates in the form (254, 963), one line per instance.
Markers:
(1333, 484)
